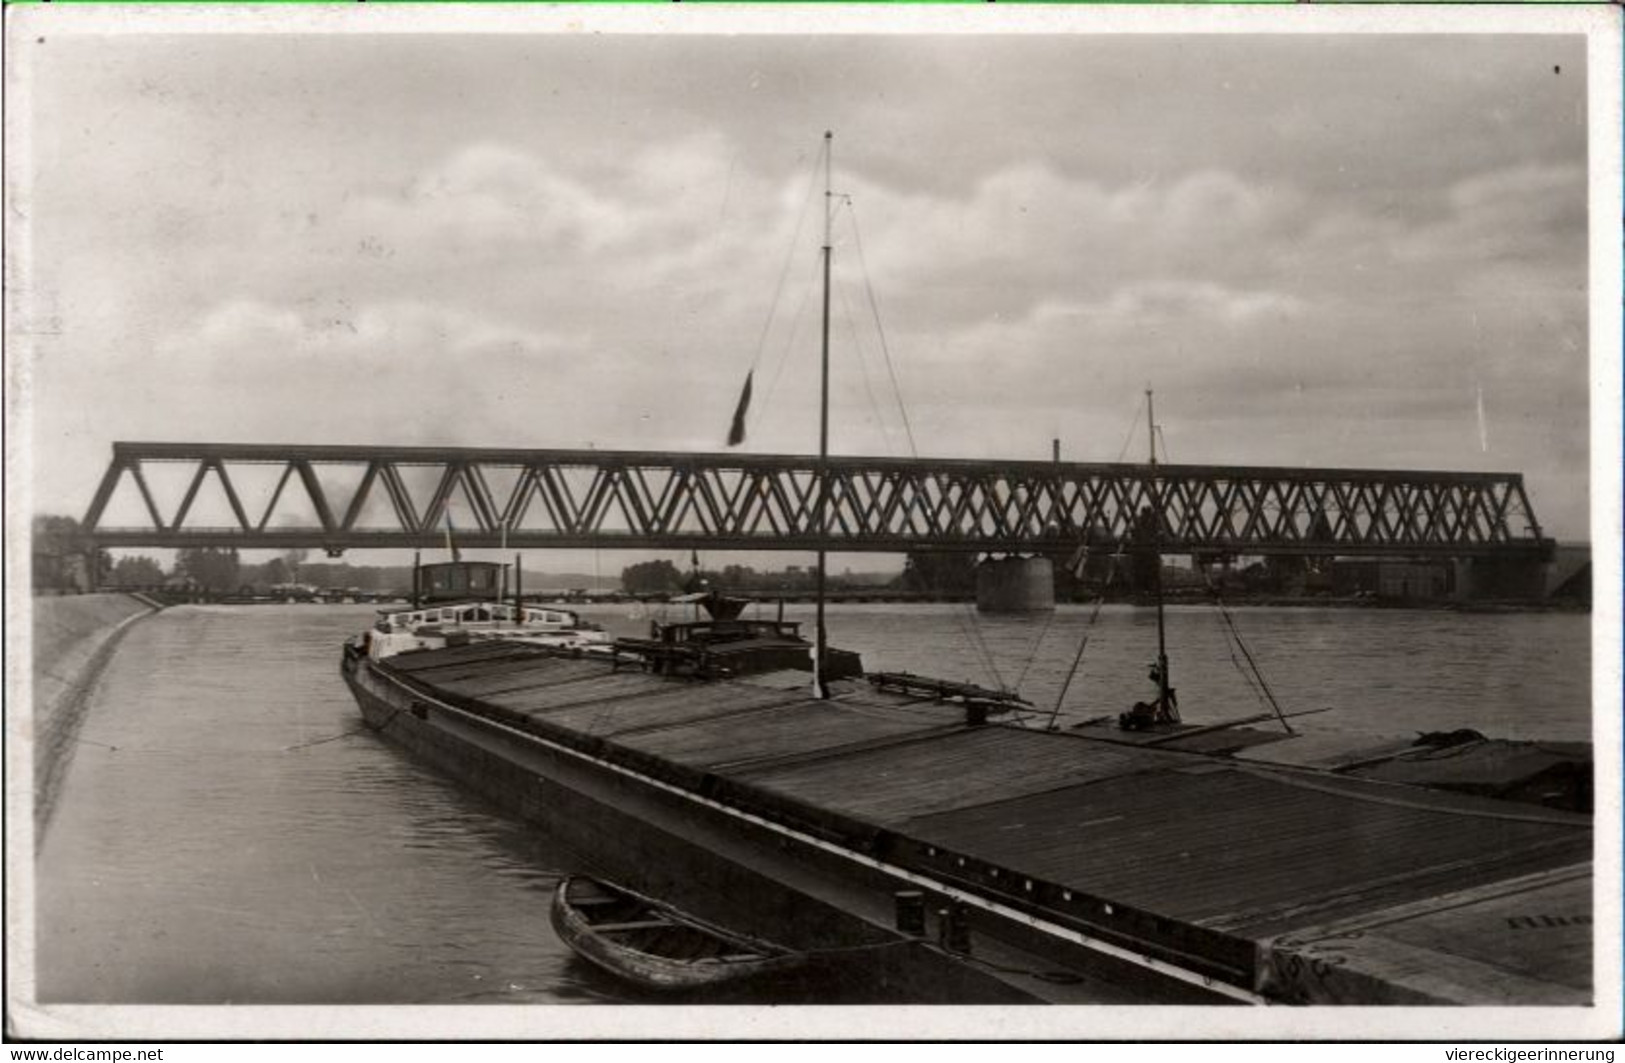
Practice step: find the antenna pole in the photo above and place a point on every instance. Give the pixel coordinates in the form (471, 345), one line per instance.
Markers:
(822, 519)
(1151, 425)
(1156, 552)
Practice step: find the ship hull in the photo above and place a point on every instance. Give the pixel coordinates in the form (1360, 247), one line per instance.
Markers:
(743, 873)
(1050, 866)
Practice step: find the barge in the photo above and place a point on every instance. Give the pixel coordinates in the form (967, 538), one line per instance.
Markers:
(1083, 866)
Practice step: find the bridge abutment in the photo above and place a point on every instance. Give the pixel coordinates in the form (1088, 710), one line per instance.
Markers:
(1015, 585)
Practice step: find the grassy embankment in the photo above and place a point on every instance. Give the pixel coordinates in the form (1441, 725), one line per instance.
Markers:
(73, 639)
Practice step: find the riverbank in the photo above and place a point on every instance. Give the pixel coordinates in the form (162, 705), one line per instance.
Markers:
(73, 639)
(1178, 596)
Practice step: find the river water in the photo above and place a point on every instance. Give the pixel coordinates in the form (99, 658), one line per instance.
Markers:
(224, 834)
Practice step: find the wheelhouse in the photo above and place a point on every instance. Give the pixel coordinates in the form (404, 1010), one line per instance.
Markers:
(459, 581)
(478, 614)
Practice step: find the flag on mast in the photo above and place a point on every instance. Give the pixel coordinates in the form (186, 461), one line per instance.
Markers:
(736, 434)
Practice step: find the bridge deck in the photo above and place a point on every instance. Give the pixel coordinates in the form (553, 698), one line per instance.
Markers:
(1271, 860)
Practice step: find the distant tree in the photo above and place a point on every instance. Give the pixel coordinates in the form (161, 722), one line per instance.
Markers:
(739, 578)
(136, 572)
(273, 572)
(265, 575)
(343, 574)
(56, 533)
(61, 551)
(939, 572)
(651, 577)
(209, 567)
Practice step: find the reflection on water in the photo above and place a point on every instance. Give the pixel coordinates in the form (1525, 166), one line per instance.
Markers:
(204, 851)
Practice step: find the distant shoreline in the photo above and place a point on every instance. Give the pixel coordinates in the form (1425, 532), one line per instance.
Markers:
(892, 597)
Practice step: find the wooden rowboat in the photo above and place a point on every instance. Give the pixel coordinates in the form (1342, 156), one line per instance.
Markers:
(653, 945)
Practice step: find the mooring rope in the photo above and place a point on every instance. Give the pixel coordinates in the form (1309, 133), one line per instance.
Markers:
(341, 734)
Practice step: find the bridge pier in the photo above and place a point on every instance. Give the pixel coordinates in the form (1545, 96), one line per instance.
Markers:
(1015, 584)
(1523, 579)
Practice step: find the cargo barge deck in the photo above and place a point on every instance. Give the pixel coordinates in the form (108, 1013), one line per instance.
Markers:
(1080, 866)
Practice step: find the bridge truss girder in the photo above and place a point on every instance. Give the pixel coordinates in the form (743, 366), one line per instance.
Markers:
(395, 497)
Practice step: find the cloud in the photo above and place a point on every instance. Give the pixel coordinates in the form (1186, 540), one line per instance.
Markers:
(545, 242)
(1200, 304)
(1533, 214)
(1029, 232)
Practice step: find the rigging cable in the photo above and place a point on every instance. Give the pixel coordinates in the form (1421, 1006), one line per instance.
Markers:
(863, 363)
(1262, 682)
(1117, 560)
(1077, 658)
(962, 615)
(789, 256)
(1133, 424)
(880, 329)
(784, 357)
(1032, 654)
(1261, 688)
(1252, 684)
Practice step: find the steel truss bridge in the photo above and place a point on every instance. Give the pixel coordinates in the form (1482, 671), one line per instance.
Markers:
(339, 498)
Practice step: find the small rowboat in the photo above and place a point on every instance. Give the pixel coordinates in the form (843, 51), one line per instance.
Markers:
(654, 945)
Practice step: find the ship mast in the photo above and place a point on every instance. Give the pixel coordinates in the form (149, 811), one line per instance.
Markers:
(821, 520)
(1156, 550)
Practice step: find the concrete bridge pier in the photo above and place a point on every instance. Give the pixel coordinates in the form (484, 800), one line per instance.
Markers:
(1523, 579)
(1015, 584)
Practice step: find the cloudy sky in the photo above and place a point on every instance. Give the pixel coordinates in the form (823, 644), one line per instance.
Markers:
(1319, 250)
